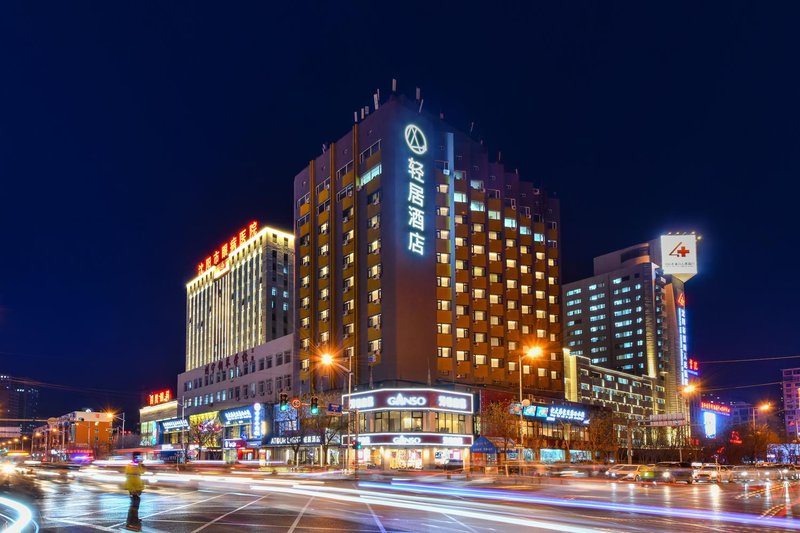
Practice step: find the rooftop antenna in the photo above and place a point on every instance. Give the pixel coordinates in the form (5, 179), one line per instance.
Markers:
(355, 116)
(394, 85)
(481, 142)
(471, 126)
(441, 115)
(362, 113)
(419, 94)
(324, 148)
(366, 110)
(499, 156)
(376, 98)
(420, 105)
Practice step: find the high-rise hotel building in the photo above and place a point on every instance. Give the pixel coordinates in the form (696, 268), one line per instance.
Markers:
(425, 261)
(241, 296)
(631, 317)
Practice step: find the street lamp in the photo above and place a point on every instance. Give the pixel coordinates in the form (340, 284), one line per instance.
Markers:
(328, 360)
(764, 407)
(533, 352)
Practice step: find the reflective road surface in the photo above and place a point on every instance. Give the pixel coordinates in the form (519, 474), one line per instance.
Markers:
(192, 503)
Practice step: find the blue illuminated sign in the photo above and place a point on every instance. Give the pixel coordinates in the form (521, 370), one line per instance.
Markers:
(418, 145)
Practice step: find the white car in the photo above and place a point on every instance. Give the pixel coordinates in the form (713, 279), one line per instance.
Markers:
(713, 473)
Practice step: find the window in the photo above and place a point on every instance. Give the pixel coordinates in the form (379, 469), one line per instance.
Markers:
(476, 205)
(494, 215)
(370, 175)
(510, 223)
(445, 351)
(374, 346)
(460, 197)
(476, 185)
(480, 359)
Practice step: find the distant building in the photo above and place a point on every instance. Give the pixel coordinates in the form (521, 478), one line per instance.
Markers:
(20, 401)
(77, 436)
(631, 315)
(241, 297)
(790, 398)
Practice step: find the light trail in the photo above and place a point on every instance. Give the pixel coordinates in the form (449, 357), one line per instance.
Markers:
(24, 515)
(585, 504)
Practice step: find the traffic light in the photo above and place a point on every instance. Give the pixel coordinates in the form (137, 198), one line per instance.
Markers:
(314, 405)
(284, 401)
(356, 445)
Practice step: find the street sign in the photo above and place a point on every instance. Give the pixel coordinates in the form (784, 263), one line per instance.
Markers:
(296, 403)
(334, 409)
(10, 431)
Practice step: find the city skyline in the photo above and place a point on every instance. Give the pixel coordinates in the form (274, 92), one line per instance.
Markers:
(138, 229)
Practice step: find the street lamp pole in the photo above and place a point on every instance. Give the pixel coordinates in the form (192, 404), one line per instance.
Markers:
(532, 353)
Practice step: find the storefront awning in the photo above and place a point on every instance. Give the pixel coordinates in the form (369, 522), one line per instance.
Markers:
(490, 445)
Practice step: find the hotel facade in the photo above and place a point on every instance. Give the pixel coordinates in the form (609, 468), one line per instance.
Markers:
(423, 261)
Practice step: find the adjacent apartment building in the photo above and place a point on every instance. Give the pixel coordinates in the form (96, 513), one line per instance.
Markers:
(790, 398)
(630, 316)
(424, 261)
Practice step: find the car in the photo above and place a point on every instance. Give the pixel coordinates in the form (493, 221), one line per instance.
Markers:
(452, 464)
(744, 474)
(770, 473)
(674, 471)
(628, 472)
(790, 472)
(713, 473)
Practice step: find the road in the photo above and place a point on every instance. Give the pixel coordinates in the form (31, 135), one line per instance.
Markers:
(187, 503)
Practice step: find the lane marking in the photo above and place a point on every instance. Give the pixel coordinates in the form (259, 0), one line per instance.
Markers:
(174, 509)
(84, 524)
(229, 513)
(299, 516)
(375, 517)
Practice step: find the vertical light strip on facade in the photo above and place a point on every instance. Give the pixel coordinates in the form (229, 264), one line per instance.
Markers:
(682, 344)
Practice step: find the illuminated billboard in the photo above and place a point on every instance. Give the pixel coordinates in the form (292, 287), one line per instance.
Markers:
(679, 255)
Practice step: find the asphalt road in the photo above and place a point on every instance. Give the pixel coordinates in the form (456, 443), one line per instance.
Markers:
(182, 503)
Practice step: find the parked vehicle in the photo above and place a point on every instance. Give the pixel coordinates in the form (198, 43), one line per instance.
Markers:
(674, 471)
(770, 473)
(452, 464)
(790, 472)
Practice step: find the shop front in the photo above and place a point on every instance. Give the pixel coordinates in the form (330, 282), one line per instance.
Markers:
(556, 432)
(411, 428)
(242, 431)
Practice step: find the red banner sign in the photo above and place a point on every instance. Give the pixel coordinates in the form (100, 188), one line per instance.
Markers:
(220, 254)
(156, 398)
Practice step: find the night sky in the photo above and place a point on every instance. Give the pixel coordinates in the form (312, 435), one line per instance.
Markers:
(134, 139)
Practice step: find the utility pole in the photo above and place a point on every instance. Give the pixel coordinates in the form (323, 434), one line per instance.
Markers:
(630, 441)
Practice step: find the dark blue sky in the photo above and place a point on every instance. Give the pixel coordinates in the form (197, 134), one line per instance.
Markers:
(135, 138)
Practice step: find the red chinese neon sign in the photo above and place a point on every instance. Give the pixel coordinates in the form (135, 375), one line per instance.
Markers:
(682, 299)
(717, 408)
(156, 398)
(220, 254)
(694, 366)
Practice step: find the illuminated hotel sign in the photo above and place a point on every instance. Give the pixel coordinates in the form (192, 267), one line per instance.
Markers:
(305, 439)
(418, 144)
(682, 344)
(252, 416)
(694, 367)
(159, 397)
(174, 424)
(218, 257)
(416, 399)
(715, 407)
(413, 439)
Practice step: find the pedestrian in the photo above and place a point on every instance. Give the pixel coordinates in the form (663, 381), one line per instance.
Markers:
(134, 485)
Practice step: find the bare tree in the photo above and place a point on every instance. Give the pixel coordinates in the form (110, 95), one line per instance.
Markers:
(326, 428)
(601, 438)
(497, 421)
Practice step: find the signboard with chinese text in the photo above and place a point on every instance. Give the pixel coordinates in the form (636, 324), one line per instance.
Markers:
(156, 398)
(411, 399)
(413, 439)
(417, 144)
(715, 407)
(218, 257)
(679, 255)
